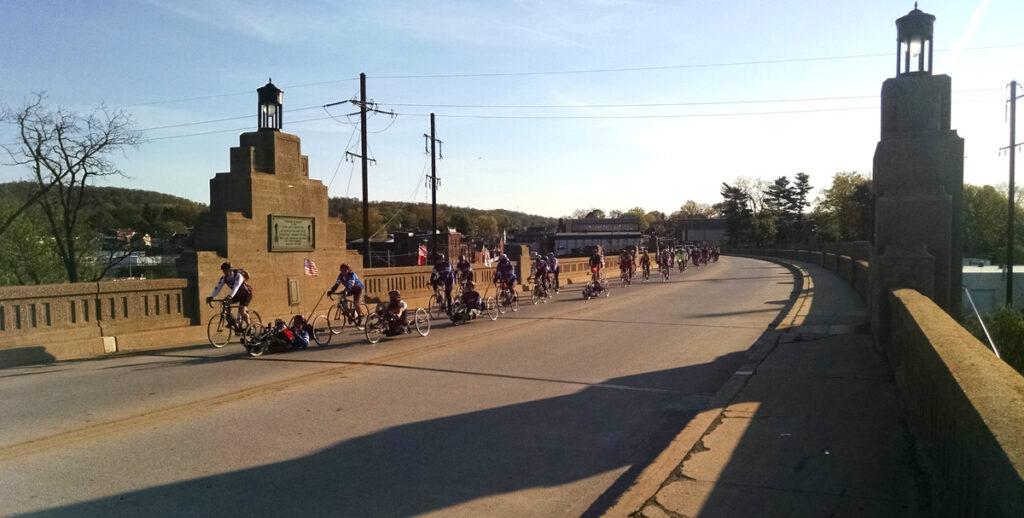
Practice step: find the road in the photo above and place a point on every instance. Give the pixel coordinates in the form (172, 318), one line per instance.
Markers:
(550, 411)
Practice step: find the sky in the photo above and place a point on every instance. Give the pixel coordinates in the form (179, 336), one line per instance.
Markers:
(542, 106)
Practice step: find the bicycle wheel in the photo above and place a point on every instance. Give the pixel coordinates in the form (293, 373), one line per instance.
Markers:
(321, 330)
(218, 331)
(249, 335)
(252, 342)
(422, 321)
(502, 302)
(374, 328)
(254, 317)
(492, 308)
(535, 294)
(514, 302)
(361, 324)
(336, 320)
(435, 307)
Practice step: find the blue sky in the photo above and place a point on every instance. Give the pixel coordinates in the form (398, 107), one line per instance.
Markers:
(178, 62)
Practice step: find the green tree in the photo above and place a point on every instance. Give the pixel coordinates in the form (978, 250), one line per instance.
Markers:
(695, 210)
(485, 227)
(637, 214)
(28, 254)
(460, 222)
(595, 214)
(844, 209)
(735, 208)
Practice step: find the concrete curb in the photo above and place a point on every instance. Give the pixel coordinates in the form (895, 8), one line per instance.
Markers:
(653, 477)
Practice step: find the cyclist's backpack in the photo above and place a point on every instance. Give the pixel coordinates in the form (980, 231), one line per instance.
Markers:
(245, 274)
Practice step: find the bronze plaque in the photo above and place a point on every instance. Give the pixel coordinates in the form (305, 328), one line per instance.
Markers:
(292, 233)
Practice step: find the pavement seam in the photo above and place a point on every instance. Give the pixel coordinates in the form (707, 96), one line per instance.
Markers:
(652, 478)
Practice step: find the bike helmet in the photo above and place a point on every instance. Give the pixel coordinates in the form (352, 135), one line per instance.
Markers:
(225, 265)
(394, 293)
(344, 267)
(298, 320)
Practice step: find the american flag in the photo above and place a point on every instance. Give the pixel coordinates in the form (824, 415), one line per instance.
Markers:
(310, 268)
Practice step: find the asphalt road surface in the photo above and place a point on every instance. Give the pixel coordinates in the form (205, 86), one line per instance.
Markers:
(549, 411)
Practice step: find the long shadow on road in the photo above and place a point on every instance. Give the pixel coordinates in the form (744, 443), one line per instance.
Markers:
(436, 464)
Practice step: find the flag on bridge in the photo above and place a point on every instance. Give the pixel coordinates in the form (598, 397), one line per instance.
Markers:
(310, 268)
(421, 255)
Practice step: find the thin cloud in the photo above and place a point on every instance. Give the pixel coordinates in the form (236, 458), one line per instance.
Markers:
(961, 44)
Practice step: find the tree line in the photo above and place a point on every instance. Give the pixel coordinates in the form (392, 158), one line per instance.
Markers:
(391, 216)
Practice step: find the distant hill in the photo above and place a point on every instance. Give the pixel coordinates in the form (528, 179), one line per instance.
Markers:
(395, 215)
(156, 213)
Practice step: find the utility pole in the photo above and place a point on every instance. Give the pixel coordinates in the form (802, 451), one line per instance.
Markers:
(364, 107)
(434, 182)
(1011, 150)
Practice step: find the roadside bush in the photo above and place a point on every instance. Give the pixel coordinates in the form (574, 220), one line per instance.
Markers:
(1006, 326)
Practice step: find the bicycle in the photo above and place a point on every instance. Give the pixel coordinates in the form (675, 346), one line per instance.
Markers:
(507, 299)
(381, 323)
(647, 273)
(541, 291)
(438, 303)
(626, 277)
(223, 325)
(343, 313)
(666, 270)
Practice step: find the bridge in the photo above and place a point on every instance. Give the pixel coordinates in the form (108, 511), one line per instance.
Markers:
(748, 386)
(801, 380)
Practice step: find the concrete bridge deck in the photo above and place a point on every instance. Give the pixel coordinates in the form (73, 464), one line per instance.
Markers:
(552, 411)
(811, 427)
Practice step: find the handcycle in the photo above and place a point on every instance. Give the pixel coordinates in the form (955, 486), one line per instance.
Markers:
(258, 339)
(508, 300)
(223, 325)
(382, 323)
(343, 313)
(596, 287)
(461, 314)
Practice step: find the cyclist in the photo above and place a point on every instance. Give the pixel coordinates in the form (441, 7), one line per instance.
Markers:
(464, 270)
(553, 268)
(539, 270)
(395, 312)
(681, 258)
(505, 273)
(300, 337)
(241, 292)
(645, 263)
(626, 264)
(353, 288)
(664, 259)
(443, 274)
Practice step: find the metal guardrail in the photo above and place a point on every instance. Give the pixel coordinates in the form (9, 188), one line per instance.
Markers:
(982, 322)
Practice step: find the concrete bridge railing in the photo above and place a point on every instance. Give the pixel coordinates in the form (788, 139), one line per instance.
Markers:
(82, 320)
(964, 406)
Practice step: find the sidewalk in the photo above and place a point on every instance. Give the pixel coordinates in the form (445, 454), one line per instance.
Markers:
(812, 428)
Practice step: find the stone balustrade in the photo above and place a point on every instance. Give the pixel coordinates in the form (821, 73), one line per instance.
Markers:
(59, 321)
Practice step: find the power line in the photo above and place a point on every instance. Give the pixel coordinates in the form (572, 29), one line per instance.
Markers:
(655, 105)
(569, 72)
(543, 106)
(673, 67)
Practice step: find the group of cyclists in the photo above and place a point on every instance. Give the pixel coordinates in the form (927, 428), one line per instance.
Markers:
(544, 269)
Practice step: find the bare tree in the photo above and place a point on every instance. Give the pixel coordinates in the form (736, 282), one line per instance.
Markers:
(65, 152)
